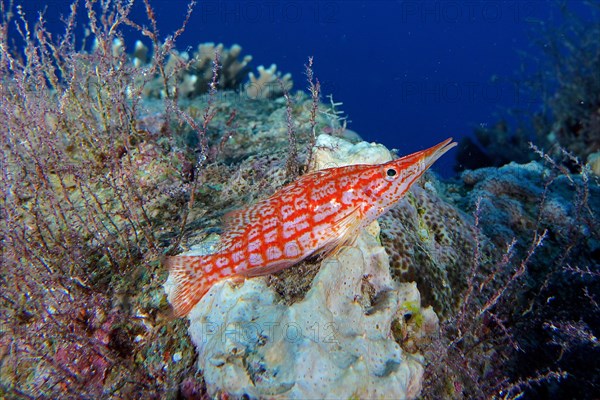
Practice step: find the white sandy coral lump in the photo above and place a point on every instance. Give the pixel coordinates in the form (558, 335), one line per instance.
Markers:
(330, 344)
(325, 346)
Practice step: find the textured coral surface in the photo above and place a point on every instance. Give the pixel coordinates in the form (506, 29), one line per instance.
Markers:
(338, 340)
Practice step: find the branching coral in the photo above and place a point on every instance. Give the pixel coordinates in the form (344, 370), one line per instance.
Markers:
(191, 75)
(269, 83)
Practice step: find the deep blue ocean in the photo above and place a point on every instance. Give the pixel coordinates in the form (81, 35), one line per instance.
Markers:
(409, 73)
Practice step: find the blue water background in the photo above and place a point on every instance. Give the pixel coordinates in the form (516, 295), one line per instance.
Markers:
(409, 73)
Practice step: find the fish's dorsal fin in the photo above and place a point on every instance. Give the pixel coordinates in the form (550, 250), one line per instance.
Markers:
(236, 218)
(235, 224)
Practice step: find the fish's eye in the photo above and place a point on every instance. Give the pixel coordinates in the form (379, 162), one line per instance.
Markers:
(391, 172)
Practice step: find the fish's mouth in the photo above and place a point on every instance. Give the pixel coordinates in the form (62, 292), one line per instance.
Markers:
(414, 165)
(431, 155)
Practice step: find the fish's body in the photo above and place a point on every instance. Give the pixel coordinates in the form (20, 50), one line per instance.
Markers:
(317, 213)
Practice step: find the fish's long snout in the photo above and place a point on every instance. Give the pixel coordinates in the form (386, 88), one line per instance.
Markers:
(420, 161)
(432, 154)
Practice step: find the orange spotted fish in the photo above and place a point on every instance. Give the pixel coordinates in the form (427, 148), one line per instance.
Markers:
(317, 213)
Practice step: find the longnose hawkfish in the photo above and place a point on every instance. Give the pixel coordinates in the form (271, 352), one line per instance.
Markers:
(317, 213)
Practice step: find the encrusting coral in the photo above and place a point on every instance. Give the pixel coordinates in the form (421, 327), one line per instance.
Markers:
(432, 243)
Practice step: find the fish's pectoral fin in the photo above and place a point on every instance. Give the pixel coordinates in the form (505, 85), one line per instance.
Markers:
(237, 280)
(188, 283)
(347, 228)
(334, 249)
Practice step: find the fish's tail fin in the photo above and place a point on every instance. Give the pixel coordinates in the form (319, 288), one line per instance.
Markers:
(188, 281)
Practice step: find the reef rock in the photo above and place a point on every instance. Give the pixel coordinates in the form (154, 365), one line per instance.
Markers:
(355, 333)
(333, 343)
(430, 242)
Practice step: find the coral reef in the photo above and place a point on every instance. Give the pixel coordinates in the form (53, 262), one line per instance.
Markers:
(518, 207)
(331, 151)
(99, 170)
(338, 340)
(252, 342)
(515, 192)
(493, 147)
(545, 215)
(190, 75)
(593, 163)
